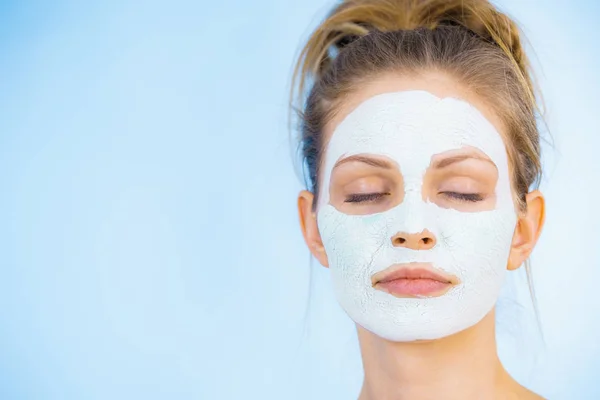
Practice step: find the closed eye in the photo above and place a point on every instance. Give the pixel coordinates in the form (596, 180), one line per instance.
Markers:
(364, 197)
(465, 197)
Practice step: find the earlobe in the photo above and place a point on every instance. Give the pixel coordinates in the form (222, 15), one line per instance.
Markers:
(310, 230)
(528, 230)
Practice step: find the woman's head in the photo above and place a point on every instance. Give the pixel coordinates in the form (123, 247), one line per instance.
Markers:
(420, 141)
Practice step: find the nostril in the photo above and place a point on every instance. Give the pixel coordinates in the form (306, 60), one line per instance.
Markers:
(428, 242)
(400, 240)
(416, 241)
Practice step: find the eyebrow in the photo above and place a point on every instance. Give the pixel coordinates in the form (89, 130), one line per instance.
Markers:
(367, 160)
(458, 158)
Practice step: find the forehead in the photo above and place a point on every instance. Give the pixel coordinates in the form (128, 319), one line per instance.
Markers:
(412, 126)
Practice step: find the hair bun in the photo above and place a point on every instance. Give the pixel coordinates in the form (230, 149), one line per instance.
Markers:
(352, 19)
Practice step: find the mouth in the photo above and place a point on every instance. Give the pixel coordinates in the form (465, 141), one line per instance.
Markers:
(413, 280)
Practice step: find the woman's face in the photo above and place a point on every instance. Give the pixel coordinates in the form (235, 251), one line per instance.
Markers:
(415, 211)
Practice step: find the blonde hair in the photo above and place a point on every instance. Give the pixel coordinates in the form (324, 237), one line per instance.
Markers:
(470, 40)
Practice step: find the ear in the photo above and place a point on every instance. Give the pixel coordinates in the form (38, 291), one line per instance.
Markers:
(310, 231)
(528, 229)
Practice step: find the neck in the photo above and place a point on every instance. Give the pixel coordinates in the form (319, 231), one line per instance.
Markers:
(461, 366)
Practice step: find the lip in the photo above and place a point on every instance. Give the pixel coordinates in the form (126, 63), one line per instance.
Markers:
(413, 280)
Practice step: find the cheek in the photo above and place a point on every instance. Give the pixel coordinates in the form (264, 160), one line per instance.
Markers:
(351, 240)
(475, 244)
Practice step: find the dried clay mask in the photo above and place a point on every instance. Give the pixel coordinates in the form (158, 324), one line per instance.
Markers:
(411, 127)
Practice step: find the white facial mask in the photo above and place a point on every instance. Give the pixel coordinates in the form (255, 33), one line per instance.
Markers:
(410, 127)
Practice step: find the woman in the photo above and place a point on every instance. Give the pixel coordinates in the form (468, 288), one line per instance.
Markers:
(419, 138)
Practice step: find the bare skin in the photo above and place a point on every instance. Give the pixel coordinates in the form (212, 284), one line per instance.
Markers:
(461, 366)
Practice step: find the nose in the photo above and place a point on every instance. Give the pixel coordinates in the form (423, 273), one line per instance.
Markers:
(423, 240)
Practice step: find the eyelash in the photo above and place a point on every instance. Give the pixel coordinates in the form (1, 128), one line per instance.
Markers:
(364, 197)
(466, 197)
(371, 197)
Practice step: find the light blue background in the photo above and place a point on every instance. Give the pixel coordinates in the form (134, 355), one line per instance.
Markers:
(149, 244)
